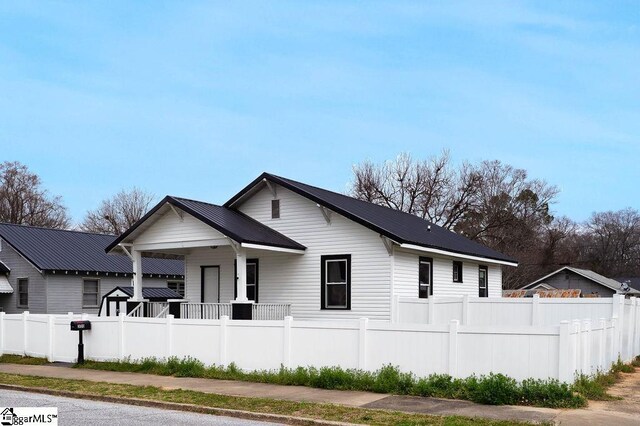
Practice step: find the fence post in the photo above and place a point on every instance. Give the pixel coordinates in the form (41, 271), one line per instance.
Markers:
(286, 342)
(564, 354)
(614, 340)
(632, 329)
(620, 325)
(453, 348)
(465, 309)
(636, 338)
(169, 336)
(25, 316)
(121, 348)
(224, 319)
(535, 309)
(602, 340)
(586, 347)
(578, 350)
(431, 313)
(362, 344)
(52, 329)
(1, 333)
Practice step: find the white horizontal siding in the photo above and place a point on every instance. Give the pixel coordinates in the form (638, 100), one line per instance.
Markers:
(406, 276)
(169, 228)
(289, 278)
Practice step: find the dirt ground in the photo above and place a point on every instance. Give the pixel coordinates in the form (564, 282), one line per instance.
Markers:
(621, 412)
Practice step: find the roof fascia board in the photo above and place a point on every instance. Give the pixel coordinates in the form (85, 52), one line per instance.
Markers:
(271, 248)
(454, 254)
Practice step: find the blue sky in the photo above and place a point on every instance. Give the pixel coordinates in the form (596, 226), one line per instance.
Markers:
(197, 98)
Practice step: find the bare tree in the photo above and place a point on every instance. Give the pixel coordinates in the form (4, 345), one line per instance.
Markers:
(431, 189)
(24, 202)
(117, 214)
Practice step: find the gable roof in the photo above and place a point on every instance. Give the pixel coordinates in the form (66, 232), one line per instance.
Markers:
(230, 222)
(149, 292)
(403, 228)
(61, 250)
(586, 273)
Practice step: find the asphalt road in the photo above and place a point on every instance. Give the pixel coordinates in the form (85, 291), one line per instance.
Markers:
(82, 412)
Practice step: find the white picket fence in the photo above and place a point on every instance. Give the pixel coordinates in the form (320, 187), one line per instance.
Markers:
(520, 351)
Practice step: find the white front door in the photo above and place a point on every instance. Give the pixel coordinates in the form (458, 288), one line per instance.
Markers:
(210, 284)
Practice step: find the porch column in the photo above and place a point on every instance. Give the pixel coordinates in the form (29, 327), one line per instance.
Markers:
(137, 275)
(241, 270)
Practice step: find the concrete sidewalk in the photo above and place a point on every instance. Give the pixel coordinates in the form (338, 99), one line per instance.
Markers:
(433, 406)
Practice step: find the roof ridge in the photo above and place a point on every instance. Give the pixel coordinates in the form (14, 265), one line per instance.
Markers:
(195, 201)
(55, 229)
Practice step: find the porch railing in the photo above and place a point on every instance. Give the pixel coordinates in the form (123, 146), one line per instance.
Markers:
(271, 311)
(158, 309)
(260, 311)
(138, 311)
(204, 310)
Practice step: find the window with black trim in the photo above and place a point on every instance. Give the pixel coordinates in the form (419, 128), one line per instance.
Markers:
(177, 286)
(335, 292)
(425, 277)
(457, 271)
(23, 292)
(90, 293)
(275, 209)
(483, 281)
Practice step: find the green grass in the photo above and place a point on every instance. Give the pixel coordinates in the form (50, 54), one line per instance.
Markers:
(256, 405)
(19, 359)
(494, 389)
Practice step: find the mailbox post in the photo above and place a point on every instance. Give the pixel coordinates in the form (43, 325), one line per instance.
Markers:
(80, 326)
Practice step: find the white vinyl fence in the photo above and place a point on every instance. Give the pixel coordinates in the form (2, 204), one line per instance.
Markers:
(520, 351)
(502, 311)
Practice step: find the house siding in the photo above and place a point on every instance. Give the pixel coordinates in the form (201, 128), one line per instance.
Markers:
(570, 279)
(64, 292)
(21, 268)
(170, 228)
(295, 279)
(406, 276)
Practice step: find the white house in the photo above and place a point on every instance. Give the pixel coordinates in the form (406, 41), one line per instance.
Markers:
(281, 247)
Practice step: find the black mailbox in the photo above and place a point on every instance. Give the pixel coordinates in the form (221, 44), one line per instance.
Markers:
(80, 325)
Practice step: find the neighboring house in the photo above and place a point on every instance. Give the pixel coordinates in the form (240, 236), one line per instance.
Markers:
(325, 255)
(589, 282)
(57, 271)
(633, 282)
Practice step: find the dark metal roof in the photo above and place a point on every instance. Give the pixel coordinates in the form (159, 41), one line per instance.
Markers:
(151, 292)
(4, 269)
(230, 222)
(401, 227)
(62, 250)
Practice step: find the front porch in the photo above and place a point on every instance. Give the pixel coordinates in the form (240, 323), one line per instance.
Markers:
(187, 310)
(224, 260)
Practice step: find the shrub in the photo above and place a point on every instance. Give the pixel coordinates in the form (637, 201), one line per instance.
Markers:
(494, 389)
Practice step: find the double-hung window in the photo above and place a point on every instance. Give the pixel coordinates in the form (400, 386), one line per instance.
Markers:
(23, 292)
(425, 277)
(483, 281)
(336, 281)
(90, 293)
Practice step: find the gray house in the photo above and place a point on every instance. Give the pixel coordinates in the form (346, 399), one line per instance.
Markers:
(589, 282)
(57, 271)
